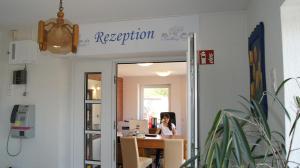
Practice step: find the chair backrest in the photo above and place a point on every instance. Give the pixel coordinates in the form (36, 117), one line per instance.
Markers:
(172, 116)
(173, 153)
(141, 125)
(130, 153)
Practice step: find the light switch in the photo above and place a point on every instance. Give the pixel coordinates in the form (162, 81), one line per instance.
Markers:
(274, 79)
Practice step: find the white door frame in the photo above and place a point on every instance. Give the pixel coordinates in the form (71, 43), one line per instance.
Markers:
(158, 59)
(79, 67)
(193, 101)
(109, 67)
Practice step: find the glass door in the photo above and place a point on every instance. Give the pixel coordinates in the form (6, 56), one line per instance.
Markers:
(93, 117)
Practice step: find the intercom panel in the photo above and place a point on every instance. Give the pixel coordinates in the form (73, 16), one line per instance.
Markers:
(20, 77)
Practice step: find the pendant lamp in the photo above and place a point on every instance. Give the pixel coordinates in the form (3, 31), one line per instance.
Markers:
(58, 35)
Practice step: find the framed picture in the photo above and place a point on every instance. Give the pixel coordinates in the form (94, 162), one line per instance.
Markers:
(256, 49)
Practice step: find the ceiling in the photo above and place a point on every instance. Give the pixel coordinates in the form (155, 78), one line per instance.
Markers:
(28, 12)
(133, 70)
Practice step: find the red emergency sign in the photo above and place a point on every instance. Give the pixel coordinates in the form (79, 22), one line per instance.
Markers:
(206, 57)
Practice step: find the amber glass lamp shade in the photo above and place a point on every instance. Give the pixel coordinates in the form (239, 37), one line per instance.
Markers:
(58, 35)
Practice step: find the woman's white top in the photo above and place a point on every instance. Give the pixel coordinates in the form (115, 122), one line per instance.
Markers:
(165, 131)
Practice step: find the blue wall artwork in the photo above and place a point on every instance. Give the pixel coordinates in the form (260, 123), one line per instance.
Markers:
(257, 66)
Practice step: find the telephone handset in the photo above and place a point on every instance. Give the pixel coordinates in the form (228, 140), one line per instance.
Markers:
(14, 114)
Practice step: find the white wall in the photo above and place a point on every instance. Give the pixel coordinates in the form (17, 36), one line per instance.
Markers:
(48, 89)
(2, 131)
(178, 98)
(220, 86)
(221, 83)
(291, 44)
(268, 11)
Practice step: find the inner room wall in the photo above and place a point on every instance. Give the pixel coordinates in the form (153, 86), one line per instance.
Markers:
(268, 11)
(2, 119)
(290, 16)
(48, 89)
(131, 86)
(221, 84)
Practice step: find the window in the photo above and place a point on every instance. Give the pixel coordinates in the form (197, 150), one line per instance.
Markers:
(92, 130)
(154, 100)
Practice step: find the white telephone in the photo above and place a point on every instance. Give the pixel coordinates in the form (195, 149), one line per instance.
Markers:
(22, 121)
(22, 125)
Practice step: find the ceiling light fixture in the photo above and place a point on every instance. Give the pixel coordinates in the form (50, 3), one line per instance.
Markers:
(58, 35)
(145, 64)
(164, 74)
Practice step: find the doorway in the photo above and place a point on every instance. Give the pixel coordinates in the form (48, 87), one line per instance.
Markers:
(107, 71)
(144, 90)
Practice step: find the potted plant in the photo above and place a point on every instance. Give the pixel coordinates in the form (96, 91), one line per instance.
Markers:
(243, 138)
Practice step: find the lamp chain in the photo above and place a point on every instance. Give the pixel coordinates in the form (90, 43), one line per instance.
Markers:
(61, 8)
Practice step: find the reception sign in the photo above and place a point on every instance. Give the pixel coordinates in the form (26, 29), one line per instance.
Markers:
(138, 36)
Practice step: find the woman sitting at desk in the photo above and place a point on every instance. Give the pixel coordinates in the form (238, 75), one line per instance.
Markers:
(166, 128)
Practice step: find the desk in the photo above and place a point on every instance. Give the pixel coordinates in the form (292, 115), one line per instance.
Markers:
(152, 130)
(157, 143)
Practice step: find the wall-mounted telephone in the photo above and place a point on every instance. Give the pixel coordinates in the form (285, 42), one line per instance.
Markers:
(22, 122)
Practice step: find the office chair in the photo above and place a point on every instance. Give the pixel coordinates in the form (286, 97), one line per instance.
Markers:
(130, 154)
(173, 153)
(172, 116)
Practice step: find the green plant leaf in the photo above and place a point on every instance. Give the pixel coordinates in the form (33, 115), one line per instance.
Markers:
(256, 143)
(280, 134)
(283, 148)
(210, 157)
(190, 161)
(279, 102)
(282, 144)
(239, 135)
(262, 117)
(217, 156)
(247, 101)
(281, 85)
(214, 127)
(234, 111)
(245, 107)
(237, 149)
(297, 100)
(294, 124)
(211, 136)
(229, 149)
(258, 157)
(226, 137)
(233, 152)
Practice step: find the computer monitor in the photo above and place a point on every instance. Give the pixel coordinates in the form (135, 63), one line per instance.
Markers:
(139, 125)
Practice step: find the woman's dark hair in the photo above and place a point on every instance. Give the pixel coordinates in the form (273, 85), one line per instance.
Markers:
(169, 123)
